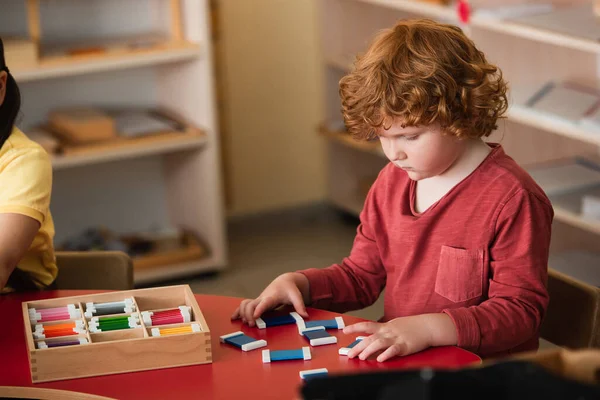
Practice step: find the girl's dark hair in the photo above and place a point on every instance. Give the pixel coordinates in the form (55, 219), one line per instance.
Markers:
(12, 101)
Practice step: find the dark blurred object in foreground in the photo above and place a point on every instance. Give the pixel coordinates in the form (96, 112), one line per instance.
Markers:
(511, 379)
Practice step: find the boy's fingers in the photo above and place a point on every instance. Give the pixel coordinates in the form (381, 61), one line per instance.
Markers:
(298, 303)
(356, 350)
(252, 314)
(243, 307)
(366, 327)
(265, 304)
(392, 351)
(375, 346)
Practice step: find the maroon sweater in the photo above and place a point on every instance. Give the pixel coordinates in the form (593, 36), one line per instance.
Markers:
(479, 254)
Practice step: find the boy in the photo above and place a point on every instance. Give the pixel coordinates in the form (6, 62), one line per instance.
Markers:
(454, 230)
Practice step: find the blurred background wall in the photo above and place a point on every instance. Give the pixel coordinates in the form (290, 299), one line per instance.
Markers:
(270, 87)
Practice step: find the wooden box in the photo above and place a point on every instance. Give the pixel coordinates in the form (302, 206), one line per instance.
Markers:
(118, 351)
(82, 125)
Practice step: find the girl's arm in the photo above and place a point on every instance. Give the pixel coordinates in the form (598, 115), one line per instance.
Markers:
(16, 234)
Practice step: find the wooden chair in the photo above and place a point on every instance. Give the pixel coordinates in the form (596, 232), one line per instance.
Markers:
(573, 316)
(102, 270)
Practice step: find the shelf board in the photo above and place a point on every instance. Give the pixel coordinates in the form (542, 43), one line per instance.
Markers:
(566, 191)
(523, 115)
(174, 271)
(567, 208)
(574, 219)
(539, 34)
(79, 65)
(150, 145)
(579, 264)
(345, 139)
(425, 9)
(506, 26)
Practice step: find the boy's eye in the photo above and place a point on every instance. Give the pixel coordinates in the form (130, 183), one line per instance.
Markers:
(414, 137)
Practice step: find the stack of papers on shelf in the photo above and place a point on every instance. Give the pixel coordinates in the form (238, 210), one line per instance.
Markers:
(590, 206)
(141, 122)
(564, 101)
(566, 177)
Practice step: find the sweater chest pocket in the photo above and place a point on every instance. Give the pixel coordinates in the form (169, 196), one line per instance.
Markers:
(460, 274)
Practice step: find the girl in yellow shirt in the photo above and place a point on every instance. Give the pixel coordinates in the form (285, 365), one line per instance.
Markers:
(27, 260)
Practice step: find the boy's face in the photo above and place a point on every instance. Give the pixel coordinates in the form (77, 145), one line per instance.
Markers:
(422, 151)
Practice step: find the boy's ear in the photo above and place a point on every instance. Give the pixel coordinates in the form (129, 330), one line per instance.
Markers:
(3, 78)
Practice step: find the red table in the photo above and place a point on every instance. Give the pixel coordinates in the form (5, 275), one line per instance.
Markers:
(233, 374)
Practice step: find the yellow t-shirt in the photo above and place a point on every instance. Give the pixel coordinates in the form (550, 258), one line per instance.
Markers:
(25, 188)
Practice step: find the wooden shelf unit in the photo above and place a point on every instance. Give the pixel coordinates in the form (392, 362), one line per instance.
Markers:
(530, 138)
(163, 181)
(64, 67)
(143, 147)
(347, 140)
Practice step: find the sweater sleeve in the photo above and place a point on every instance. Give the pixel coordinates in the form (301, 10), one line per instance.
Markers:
(358, 280)
(517, 295)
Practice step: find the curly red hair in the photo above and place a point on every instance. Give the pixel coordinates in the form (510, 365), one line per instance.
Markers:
(423, 72)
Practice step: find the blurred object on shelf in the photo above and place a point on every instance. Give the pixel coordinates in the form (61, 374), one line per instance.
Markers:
(98, 238)
(159, 240)
(149, 249)
(566, 101)
(564, 176)
(597, 8)
(20, 52)
(94, 129)
(463, 9)
(44, 138)
(590, 206)
(141, 122)
(187, 249)
(82, 125)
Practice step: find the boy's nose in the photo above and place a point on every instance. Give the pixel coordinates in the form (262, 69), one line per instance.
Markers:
(397, 152)
(400, 156)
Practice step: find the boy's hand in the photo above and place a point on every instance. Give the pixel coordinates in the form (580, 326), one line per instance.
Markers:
(402, 336)
(290, 288)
